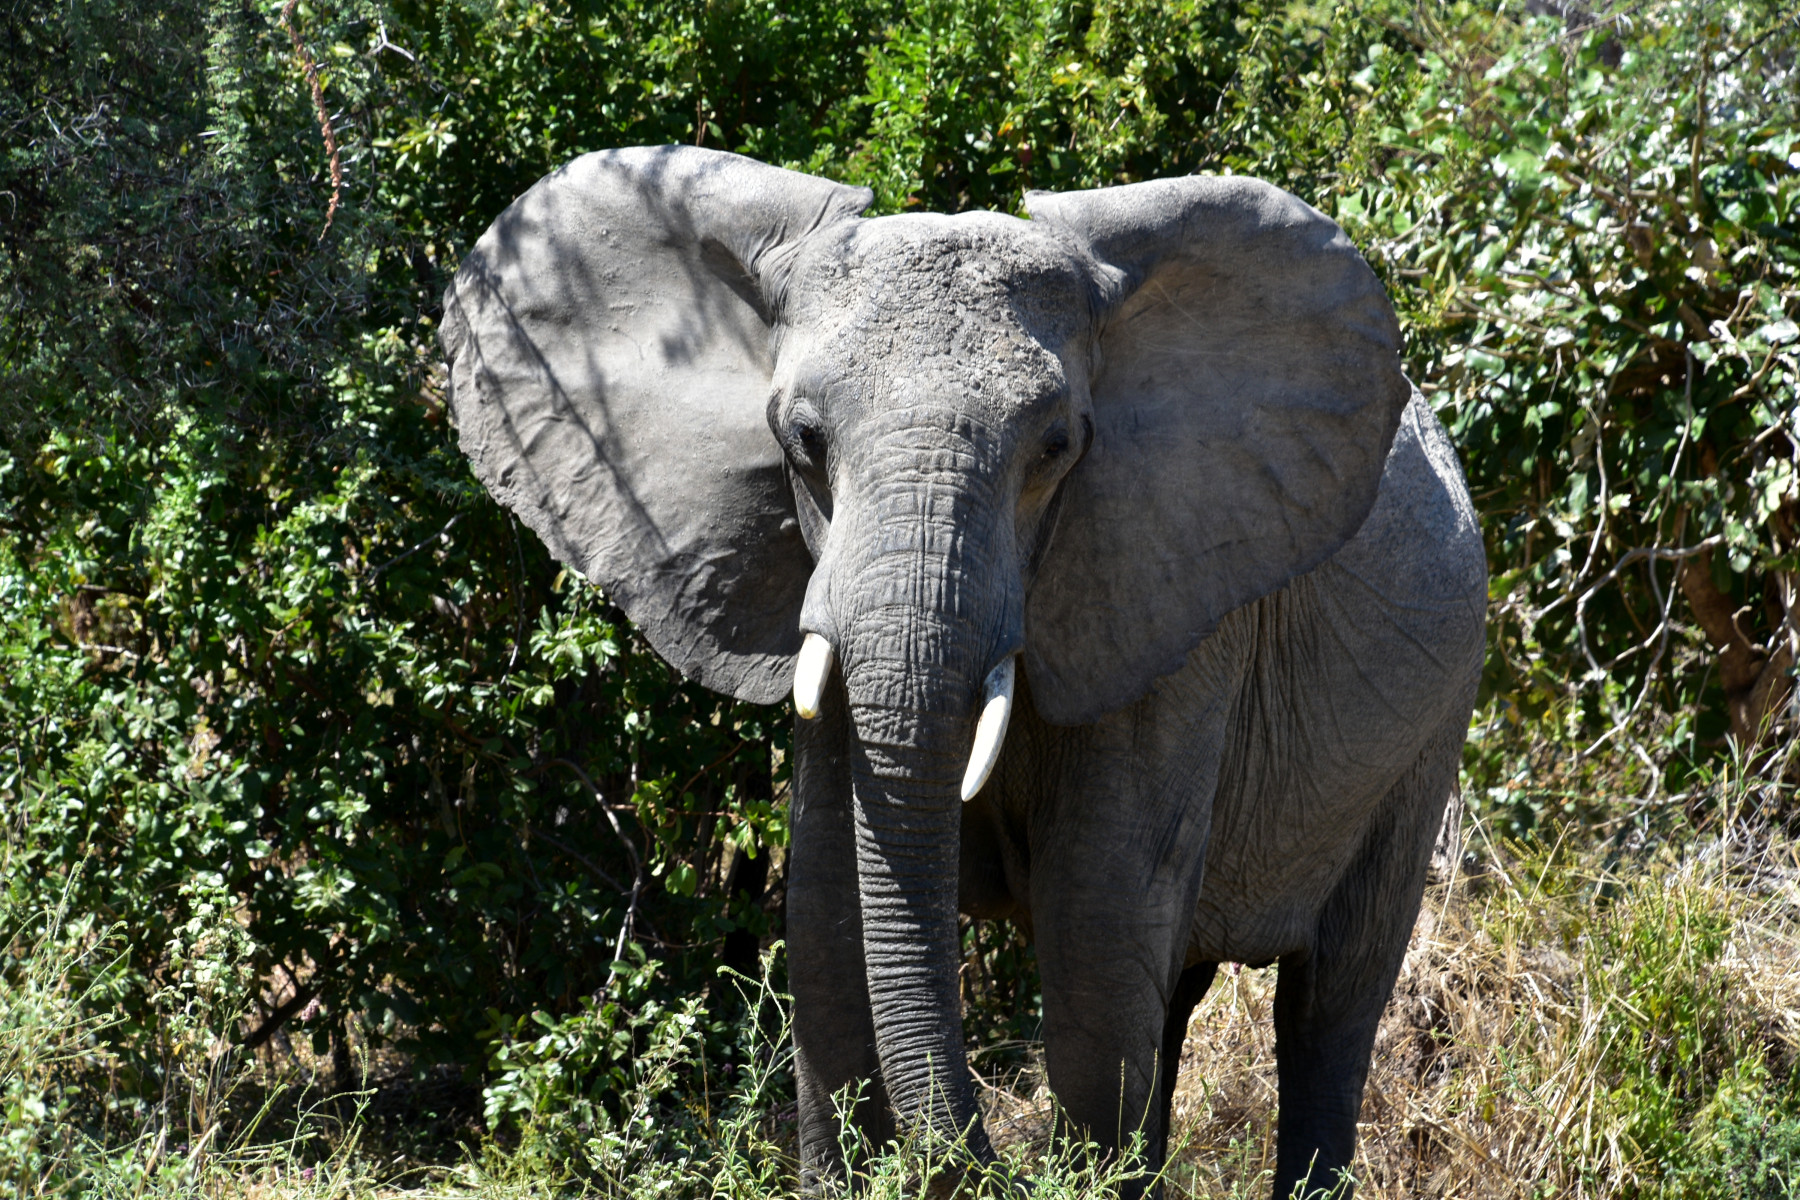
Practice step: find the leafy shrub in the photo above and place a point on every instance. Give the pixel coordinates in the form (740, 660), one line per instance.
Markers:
(625, 1096)
(597, 1080)
(1593, 240)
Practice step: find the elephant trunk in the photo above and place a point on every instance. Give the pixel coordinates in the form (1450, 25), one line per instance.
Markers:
(908, 816)
(924, 607)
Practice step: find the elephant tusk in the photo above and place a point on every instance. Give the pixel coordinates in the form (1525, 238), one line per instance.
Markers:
(990, 730)
(810, 672)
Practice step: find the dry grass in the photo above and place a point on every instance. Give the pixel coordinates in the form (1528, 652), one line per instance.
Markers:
(1538, 1000)
(1541, 1001)
(1506, 1061)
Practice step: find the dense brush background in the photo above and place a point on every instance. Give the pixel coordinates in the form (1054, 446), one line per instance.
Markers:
(350, 845)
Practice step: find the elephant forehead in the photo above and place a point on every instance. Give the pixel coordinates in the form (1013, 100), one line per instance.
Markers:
(981, 302)
(982, 265)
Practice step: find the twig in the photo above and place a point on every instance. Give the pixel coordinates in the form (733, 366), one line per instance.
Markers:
(1618, 17)
(1765, 36)
(385, 44)
(629, 925)
(1756, 379)
(1666, 604)
(1662, 636)
(414, 549)
(1629, 557)
(281, 1015)
(512, 524)
(583, 859)
(712, 766)
(1595, 415)
(587, 781)
(318, 98)
(103, 649)
(1770, 432)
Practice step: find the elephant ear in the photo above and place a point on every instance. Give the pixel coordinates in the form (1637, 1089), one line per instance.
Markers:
(1247, 389)
(610, 360)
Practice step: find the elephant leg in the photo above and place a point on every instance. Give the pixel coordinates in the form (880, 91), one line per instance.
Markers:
(1329, 999)
(834, 1031)
(1189, 990)
(1112, 930)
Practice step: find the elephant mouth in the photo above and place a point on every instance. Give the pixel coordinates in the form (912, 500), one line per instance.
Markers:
(813, 668)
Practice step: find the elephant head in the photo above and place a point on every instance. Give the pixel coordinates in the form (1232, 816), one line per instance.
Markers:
(926, 447)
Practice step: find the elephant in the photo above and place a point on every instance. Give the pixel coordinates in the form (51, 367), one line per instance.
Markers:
(1124, 586)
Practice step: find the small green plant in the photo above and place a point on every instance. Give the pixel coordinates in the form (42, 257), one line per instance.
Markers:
(600, 1088)
(627, 1097)
(53, 969)
(1755, 1140)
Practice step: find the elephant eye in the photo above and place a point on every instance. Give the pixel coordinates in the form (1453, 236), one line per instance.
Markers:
(1057, 445)
(806, 443)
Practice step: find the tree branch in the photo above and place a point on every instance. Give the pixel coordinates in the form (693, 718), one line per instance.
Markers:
(318, 98)
(283, 1013)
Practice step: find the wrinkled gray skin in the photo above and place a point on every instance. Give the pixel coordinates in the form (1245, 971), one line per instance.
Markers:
(1156, 442)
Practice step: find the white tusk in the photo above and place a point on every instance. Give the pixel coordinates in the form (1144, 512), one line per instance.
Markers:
(990, 730)
(810, 673)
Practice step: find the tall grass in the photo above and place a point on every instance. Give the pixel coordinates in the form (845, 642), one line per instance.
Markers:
(50, 1025)
(69, 1126)
(1568, 1023)
(1564, 1025)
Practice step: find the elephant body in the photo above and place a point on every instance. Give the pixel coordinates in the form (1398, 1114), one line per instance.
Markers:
(1151, 456)
(1275, 800)
(1273, 750)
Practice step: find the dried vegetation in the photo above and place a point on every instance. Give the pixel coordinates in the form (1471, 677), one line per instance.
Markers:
(1564, 1025)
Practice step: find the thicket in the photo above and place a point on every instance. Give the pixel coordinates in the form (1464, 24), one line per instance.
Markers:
(296, 724)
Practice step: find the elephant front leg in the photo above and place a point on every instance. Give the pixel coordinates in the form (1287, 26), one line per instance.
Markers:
(1116, 1003)
(834, 1033)
(1113, 901)
(1329, 999)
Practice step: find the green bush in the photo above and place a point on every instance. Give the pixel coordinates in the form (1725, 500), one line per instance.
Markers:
(619, 1093)
(1593, 239)
(259, 625)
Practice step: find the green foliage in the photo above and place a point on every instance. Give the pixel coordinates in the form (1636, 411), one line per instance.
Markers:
(594, 1077)
(620, 1093)
(1592, 240)
(260, 626)
(1755, 1139)
(972, 103)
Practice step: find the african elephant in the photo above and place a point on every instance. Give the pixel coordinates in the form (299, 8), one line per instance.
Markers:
(1141, 475)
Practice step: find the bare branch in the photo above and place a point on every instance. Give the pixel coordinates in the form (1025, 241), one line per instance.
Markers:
(629, 925)
(604, 876)
(318, 98)
(1636, 554)
(414, 548)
